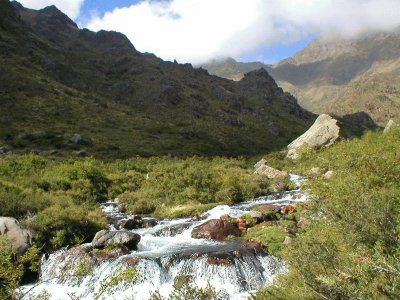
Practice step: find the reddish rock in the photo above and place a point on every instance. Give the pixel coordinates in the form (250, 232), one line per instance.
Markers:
(242, 225)
(288, 209)
(215, 230)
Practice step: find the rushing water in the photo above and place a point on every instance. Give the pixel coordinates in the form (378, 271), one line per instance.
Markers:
(166, 251)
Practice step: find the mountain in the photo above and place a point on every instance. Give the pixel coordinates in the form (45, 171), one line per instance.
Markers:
(59, 81)
(341, 76)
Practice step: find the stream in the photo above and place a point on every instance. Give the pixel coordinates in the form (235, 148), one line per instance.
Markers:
(233, 268)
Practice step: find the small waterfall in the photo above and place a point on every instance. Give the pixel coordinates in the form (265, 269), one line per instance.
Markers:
(166, 252)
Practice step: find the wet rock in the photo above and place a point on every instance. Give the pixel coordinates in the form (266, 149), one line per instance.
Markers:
(288, 209)
(324, 132)
(328, 175)
(216, 230)
(219, 261)
(148, 222)
(106, 237)
(270, 172)
(172, 230)
(196, 218)
(225, 250)
(134, 222)
(20, 239)
(389, 125)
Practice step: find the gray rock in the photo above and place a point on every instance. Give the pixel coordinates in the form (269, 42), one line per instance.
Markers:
(315, 172)
(323, 133)
(270, 172)
(389, 125)
(106, 237)
(20, 239)
(80, 140)
(288, 240)
(260, 163)
(328, 175)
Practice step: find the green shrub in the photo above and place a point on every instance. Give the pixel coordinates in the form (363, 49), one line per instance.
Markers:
(12, 269)
(351, 247)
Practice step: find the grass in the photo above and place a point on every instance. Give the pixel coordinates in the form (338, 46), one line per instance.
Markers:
(349, 248)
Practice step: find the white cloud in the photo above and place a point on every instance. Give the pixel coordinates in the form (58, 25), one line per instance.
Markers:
(198, 30)
(70, 7)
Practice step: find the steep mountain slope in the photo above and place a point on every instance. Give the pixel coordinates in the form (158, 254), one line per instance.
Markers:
(57, 80)
(344, 76)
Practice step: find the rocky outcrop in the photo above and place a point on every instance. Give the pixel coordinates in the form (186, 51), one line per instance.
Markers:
(324, 132)
(215, 230)
(20, 239)
(106, 237)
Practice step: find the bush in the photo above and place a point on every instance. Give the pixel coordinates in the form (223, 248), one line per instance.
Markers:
(351, 247)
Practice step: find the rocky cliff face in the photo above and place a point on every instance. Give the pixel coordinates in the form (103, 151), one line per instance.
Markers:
(339, 76)
(58, 80)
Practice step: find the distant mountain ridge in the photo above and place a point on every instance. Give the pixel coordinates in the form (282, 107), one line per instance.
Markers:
(58, 80)
(340, 76)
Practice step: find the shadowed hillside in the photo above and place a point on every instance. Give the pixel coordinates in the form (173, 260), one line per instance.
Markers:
(58, 80)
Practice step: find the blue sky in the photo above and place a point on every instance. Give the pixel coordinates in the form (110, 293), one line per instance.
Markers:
(196, 31)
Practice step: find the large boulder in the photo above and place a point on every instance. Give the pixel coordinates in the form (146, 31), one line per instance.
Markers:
(215, 230)
(20, 239)
(105, 238)
(270, 172)
(324, 132)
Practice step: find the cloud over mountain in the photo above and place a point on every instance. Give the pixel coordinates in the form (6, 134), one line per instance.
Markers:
(197, 30)
(70, 7)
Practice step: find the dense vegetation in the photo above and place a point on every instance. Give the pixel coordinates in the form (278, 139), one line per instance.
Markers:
(63, 195)
(350, 248)
(58, 80)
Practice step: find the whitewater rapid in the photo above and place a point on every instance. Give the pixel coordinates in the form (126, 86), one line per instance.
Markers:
(166, 251)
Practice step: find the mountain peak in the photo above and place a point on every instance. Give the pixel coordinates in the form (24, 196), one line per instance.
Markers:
(259, 73)
(49, 19)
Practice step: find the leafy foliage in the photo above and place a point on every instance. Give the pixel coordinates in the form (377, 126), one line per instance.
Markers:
(12, 268)
(351, 247)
